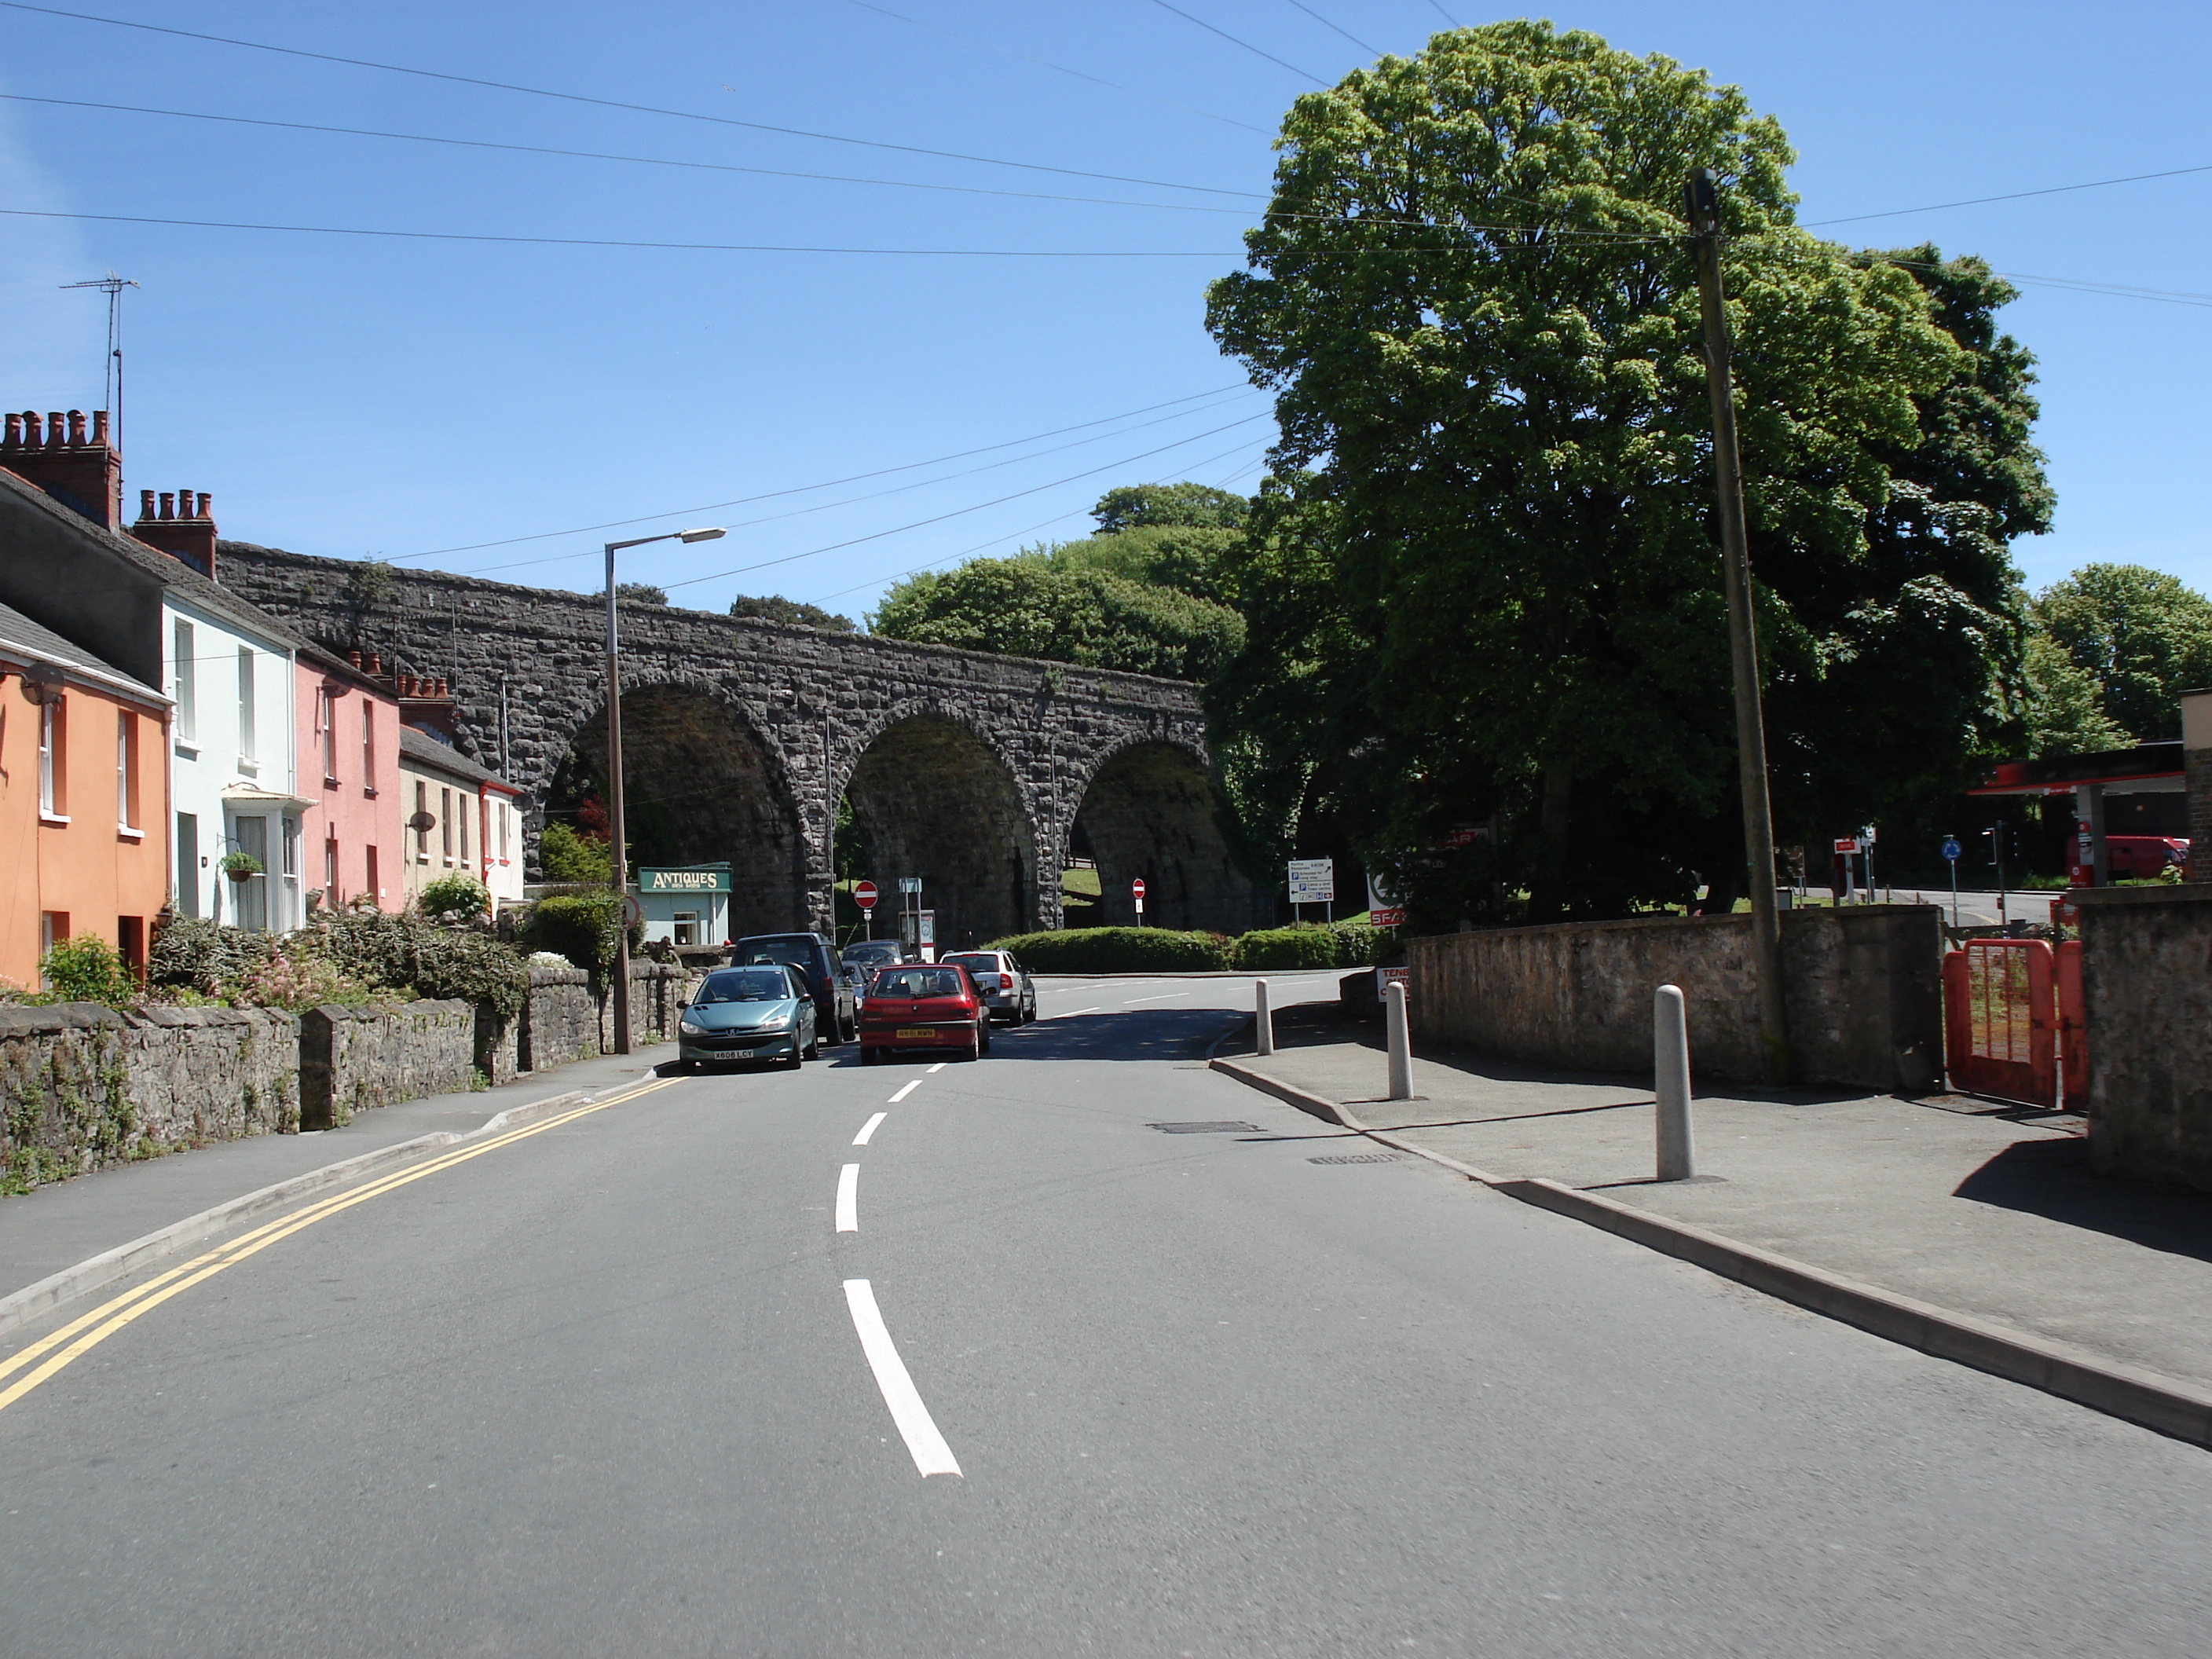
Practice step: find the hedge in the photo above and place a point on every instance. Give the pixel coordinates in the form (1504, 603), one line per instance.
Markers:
(1341, 946)
(1117, 950)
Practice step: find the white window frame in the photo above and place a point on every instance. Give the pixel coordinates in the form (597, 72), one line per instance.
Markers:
(249, 724)
(186, 676)
(53, 764)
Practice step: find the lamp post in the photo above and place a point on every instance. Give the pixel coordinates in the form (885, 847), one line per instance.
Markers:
(619, 859)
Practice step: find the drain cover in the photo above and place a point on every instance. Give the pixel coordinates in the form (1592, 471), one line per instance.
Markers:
(1205, 1128)
(1357, 1157)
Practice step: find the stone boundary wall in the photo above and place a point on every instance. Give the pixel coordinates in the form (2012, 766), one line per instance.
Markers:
(353, 1058)
(81, 1085)
(657, 991)
(559, 1022)
(2147, 1011)
(1865, 995)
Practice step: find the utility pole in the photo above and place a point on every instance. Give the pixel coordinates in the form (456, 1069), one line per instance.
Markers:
(1703, 206)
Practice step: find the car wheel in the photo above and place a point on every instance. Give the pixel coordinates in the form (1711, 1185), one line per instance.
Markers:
(813, 1046)
(867, 1056)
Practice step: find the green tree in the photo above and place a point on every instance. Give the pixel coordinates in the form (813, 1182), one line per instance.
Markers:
(1030, 607)
(1490, 571)
(2114, 646)
(566, 856)
(1146, 506)
(639, 593)
(774, 607)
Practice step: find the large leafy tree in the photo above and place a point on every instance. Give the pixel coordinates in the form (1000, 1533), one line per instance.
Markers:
(1485, 594)
(2113, 646)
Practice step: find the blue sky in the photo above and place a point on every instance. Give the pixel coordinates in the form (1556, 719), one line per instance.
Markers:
(355, 395)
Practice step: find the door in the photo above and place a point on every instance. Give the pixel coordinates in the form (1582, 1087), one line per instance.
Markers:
(252, 836)
(188, 864)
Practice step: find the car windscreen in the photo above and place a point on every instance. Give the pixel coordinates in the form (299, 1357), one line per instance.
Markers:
(746, 985)
(796, 952)
(918, 982)
(980, 962)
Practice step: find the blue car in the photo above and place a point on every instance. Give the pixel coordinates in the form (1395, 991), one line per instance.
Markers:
(760, 1012)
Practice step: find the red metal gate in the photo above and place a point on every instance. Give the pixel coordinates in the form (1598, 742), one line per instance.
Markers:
(2000, 1019)
(2072, 1029)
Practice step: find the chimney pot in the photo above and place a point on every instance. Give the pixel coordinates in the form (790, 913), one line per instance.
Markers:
(354, 657)
(76, 426)
(55, 430)
(376, 662)
(205, 499)
(441, 687)
(99, 426)
(14, 438)
(31, 428)
(168, 504)
(145, 505)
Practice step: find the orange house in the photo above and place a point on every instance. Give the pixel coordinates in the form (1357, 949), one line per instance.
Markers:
(83, 800)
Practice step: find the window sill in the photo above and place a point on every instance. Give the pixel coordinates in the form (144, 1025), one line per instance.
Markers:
(125, 832)
(368, 792)
(53, 820)
(188, 750)
(330, 783)
(251, 768)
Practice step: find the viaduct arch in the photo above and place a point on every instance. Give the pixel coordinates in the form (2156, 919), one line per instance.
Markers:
(978, 773)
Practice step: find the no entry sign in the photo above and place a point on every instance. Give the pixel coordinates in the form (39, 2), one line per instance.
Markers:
(1137, 889)
(864, 895)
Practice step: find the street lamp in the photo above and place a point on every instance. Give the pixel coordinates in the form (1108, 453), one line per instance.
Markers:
(618, 861)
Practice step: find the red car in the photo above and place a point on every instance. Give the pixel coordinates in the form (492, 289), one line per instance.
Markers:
(920, 1004)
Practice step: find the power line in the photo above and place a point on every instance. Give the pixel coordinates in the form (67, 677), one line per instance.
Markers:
(828, 483)
(1042, 63)
(1326, 24)
(635, 161)
(877, 494)
(1446, 16)
(2015, 196)
(606, 103)
(1234, 41)
(792, 558)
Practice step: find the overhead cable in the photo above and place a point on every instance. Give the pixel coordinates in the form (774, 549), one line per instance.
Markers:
(1326, 24)
(605, 103)
(1234, 41)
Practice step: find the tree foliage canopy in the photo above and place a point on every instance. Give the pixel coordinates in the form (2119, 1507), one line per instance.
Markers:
(2113, 647)
(1484, 591)
(774, 607)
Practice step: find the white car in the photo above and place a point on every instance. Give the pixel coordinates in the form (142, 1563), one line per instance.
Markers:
(1009, 993)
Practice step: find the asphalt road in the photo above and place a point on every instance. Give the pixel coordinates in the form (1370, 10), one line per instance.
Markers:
(613, 1387)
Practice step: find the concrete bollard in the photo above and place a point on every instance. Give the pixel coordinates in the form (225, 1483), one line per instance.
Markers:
(1402, 1046)
(1264, 1018)
(1670, 1065)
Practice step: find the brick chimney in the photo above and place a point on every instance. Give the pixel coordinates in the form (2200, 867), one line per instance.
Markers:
(82, 471)
(180, 526)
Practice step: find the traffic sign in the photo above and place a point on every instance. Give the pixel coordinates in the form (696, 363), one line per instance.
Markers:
(1847, 845)
(864, 895)
(1137, 889)
(909, 884)
(1313, 881)
(1951, 848)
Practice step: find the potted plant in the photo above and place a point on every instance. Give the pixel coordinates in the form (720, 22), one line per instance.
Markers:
(241, 867)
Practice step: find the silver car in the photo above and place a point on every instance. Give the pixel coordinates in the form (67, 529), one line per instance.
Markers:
(1009, 994)
(760, 1012)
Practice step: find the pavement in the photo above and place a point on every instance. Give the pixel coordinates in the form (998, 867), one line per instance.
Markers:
(1978, 1208)
(56, 1226)
(671, 1375)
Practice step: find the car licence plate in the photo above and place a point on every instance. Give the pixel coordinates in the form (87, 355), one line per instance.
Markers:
(917, 1031)
(742, 1053)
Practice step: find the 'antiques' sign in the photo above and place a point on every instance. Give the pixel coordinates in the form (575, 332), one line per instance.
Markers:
(683, 881)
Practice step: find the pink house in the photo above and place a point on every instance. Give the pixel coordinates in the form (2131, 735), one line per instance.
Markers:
(348, 771)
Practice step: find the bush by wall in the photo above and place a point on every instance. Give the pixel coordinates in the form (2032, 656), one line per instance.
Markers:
(1118, 950)
(580, 926)
(1343, 945)
(205, 955)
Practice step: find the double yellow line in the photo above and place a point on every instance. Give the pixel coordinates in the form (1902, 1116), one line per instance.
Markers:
(51, 1352)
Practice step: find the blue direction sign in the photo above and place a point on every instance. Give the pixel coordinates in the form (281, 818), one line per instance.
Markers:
(1951, 848)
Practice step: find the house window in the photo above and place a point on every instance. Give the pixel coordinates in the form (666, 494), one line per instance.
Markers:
(331, 873)
(422, 820)
(687, 926)
(248, 745)
(187, 684)
(446, 824)
(467, 812)
(292, 847)
(327, 725)
(503, 832)
(367, 747)
(369, 884)
(188, 864)
(54, 771)
(126, 771)
(54, 928)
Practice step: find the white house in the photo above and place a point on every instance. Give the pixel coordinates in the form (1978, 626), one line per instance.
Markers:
(459, 818)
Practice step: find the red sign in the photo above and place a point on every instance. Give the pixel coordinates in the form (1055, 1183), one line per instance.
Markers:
(864, 895)
(1137, 888)
(1847, 847)
(1393, 917)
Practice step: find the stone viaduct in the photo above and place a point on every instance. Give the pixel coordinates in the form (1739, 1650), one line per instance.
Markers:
(974, 772)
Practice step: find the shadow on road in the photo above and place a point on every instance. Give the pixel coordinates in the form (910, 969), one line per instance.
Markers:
(1139, 1033)
(2052, 1179)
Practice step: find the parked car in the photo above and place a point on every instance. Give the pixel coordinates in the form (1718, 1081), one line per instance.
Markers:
(921, 1005)
(870, 954)
(1007, 989)
(836, 997)
(762, 1012)
(2143, 857)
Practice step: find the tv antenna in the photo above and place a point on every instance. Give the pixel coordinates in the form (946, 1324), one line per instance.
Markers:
(111, 384)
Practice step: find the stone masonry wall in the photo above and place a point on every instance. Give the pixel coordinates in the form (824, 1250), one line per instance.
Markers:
(776, 720)
(1864, 998)
(657, 990)
(2147, 1012)
(352, 1058)
(81, 1085)
(561, 1021)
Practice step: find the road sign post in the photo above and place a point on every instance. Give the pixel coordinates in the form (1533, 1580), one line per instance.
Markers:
(1312, 881)
(1951, 851)
(1137, 892)
(864, 895)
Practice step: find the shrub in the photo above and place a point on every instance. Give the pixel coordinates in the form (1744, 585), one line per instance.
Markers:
(379, 948)
(1117, 950)
(87, 968)
(297, 977)
(192, 950)
(564, 855)
(455, 898)
(579, 926)
(1308, 946)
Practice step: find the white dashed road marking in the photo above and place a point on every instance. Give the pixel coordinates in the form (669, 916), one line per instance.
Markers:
(869, 1129)
(848, 1199)
(931, 1454)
